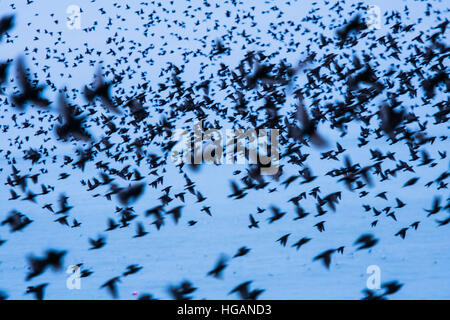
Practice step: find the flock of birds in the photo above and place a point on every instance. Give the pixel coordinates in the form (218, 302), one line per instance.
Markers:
(124, 133)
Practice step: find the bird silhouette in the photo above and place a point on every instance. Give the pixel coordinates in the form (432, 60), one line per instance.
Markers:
(245, 293)
(253, 222)
(221, 264)
(111, 285)
(338, 102)
(366, 241)
(301, 242)
(325, 257)
(37, 291)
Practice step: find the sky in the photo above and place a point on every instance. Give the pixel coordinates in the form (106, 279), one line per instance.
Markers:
(176, 252)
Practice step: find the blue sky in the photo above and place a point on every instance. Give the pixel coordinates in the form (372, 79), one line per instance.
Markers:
(178, 252)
